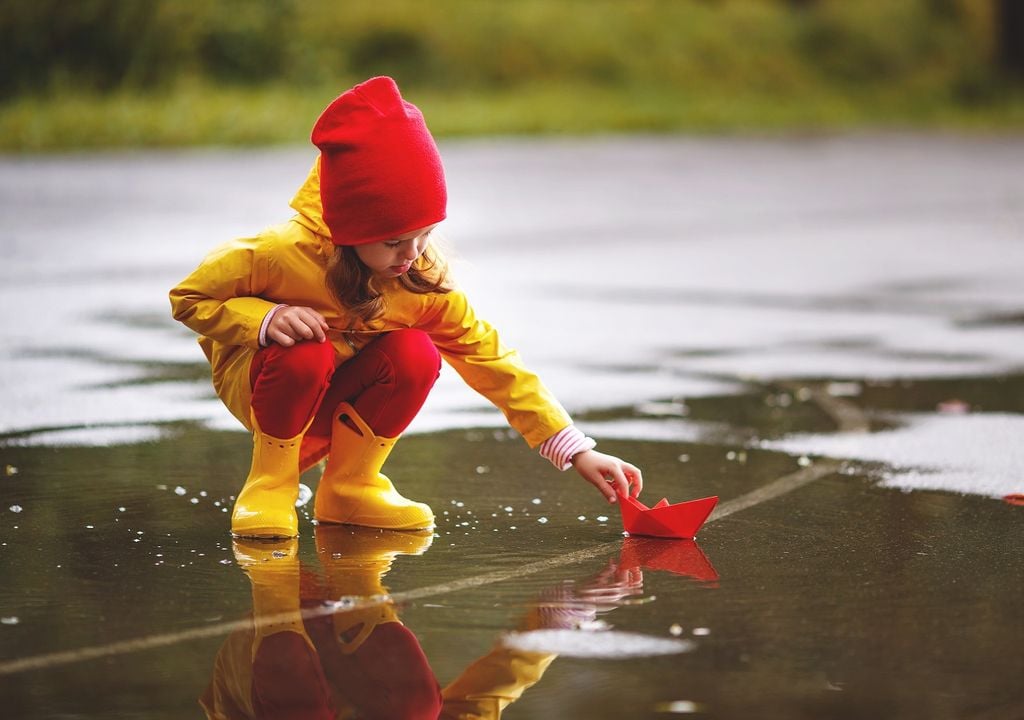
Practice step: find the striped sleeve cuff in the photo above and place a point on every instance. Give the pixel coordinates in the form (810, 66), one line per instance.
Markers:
(266, 322)
(563, 445)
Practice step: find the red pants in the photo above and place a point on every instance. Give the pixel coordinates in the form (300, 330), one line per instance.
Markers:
(387, 383)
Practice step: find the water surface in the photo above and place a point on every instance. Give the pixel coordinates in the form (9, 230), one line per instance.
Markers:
(824, 333)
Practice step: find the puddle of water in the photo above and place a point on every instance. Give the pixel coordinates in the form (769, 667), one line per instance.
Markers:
(808, 299)
(841, 598)
(954, 434)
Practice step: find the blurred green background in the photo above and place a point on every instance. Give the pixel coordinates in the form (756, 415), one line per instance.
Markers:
(130, 73)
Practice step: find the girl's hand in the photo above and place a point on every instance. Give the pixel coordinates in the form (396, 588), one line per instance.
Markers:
(292, 324)
(608, 474)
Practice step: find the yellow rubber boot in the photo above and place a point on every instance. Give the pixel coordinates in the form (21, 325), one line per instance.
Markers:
(265, 508)
(352, 489)
(355, 561)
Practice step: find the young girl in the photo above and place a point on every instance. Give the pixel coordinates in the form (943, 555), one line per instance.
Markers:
(326, 333)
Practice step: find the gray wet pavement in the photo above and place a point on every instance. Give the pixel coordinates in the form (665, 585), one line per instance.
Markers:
(824, 332)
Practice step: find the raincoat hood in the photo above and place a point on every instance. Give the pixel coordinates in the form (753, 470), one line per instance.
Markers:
(308, 205)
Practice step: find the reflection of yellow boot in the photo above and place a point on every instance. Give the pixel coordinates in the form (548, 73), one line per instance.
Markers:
(273, 569)
(285, 676)
(355, 561)
(352, 489)
(266, 505)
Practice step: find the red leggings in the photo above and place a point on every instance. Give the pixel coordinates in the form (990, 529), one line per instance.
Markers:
(387, 383)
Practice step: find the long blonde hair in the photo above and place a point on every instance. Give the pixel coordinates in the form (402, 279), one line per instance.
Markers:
(358, 288)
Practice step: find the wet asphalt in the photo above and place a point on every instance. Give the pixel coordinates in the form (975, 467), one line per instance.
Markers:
(822, 332)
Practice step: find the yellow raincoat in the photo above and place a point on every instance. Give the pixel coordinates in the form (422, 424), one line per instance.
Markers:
(226, 298)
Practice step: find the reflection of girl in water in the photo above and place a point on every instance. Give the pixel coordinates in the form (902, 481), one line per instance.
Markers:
(325, 333)
(361, 661)
(358, 662)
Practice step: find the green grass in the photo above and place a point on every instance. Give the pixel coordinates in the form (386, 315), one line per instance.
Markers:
(205, 115)
(172, 73)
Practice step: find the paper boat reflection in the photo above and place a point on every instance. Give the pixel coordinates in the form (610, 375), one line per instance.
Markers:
(680, 557)
(675, 520)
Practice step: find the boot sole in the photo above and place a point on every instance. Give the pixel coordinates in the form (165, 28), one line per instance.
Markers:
(376, 526)
(265, 534)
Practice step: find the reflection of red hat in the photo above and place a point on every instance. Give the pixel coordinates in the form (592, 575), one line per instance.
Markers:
(380, 172)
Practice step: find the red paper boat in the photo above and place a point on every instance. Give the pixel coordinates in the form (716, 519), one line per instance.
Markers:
(678, 520)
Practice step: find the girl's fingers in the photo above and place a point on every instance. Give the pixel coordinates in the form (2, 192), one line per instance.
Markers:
(315, 323)
(602, 485)
(281, 338)
(300, 327)
(617, 479)
(611, 476)
(636, 478)
(298, 323)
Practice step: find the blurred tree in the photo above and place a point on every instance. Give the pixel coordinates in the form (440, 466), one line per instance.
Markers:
(90, 39)
(1010, 27)
(92, 45)
(102, 45)
(244, 43)
(393, 51)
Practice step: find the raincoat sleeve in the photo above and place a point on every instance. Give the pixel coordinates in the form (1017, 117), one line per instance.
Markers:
(472, 347)
(492, 683)
(220, 299)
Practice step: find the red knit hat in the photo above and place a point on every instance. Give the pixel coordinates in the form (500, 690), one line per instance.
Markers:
(380, 172)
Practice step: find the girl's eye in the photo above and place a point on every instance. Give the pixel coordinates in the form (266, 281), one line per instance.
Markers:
(392, 244)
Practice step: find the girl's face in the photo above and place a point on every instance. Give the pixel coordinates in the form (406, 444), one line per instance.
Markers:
(394, 257)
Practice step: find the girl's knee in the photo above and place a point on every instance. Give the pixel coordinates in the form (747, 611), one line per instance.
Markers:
(288, 384)
(409, 340)
(309, 353)
(412, 352)
(304, 363)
